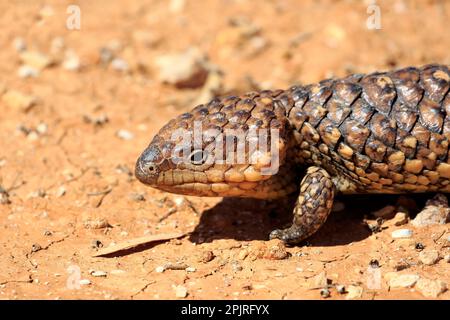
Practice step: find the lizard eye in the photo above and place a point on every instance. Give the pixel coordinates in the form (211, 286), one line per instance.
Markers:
(198, 157)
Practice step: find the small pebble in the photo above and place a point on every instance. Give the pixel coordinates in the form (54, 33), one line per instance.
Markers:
(354, 292)
(84, 282)
(137, 197)
(401, 280)
(429, 257)
(125, 134)
(160, 269)
(325, 293)
(98, 274)
(340, 289)
(206, 256)
(26, 71)
(36, 247)
(431, 288)
(402, 233)
(190, 269)
(18, 100)
(61, 191)
(120, 65)
(236, 266)
(181, 292)
(19, 44)
(96, 244)
(400, 219)
(96, 223)
(71, 61)
(276, 250)
(318, 281)
(36, 60)
(184, 70)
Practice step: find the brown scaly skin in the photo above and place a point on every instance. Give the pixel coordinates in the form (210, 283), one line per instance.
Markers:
(377, 133)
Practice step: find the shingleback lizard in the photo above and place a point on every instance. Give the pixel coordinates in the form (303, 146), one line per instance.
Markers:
(385, 132)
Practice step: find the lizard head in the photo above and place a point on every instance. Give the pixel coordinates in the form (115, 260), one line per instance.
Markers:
(229, 147)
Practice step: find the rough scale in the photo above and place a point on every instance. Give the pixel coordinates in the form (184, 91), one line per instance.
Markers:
(385, 132)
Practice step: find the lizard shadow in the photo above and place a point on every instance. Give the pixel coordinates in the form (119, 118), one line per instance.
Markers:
(253, 219)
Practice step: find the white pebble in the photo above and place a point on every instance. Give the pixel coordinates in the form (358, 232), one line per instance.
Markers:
(26, 71)
(160, 269)
(125, 134)
(71, 61)
(190, 269)
(19, 44)
(402, 233)
(181, 292)
(85, 282)
(119, 65)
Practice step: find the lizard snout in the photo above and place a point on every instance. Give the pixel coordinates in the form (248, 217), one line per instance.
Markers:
(147, 170)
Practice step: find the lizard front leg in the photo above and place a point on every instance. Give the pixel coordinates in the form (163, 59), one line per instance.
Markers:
(312, 208)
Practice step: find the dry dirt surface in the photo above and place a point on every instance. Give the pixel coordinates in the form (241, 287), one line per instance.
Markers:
(78, 105)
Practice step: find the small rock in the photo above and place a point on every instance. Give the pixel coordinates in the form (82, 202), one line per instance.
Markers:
(26, 71)
(17, 100)
(98, 223)
(242, 254)
(401, 280)
(106, 55)
(71, 61)
(125, 134)
(402, 233)
(36, 60)
(325, 293)
(181, 292)
(36, 247)
(98, 274)
(184, 70)
(206, 256)
(318, 281)
(340, 289)
(385, 213)
(61, 191)
(436, 211)
(137, 197)
(160, 269)
(119, 64)
(96, 244)
(276, 250)
(19, 44)
(85, 282)
(236, 266)
(354, 292)
(431, 288)
(190, 269)
(400, 219)
(429, 257)
(447, 258)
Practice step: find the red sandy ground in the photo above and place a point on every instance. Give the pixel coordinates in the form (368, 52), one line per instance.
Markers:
(86, 159)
